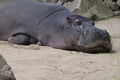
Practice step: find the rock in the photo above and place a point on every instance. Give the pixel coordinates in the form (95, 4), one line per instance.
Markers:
(118, 2)
(94, 8)
(115, 7)
(52, 1)
(5, 70)
(75, 4)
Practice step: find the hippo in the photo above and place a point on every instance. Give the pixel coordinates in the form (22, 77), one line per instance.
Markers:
(51, 25)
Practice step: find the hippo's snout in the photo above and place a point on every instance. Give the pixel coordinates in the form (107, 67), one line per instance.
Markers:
(96, 41)
(100, 42)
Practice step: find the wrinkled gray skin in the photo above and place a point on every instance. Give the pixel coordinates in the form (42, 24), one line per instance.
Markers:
(5, 70)
(51, 25)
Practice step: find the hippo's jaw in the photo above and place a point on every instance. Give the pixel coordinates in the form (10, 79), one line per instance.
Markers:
(97, 47)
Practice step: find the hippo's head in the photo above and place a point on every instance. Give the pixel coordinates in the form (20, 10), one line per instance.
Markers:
(89, 38)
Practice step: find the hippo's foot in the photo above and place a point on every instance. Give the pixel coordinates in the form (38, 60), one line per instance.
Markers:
(22, 39)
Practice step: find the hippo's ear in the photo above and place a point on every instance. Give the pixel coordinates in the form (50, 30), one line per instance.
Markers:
(69, 19)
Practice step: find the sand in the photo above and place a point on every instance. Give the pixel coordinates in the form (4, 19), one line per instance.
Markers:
(45, 63)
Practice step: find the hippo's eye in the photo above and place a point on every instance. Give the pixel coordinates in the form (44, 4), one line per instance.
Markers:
(77, 22)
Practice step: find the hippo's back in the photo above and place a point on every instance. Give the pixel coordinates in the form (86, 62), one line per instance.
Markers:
(24, 17)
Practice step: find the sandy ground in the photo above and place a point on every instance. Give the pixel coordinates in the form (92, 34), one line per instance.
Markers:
(45, 63)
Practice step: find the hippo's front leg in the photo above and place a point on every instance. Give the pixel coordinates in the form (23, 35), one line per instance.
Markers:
(22, 39)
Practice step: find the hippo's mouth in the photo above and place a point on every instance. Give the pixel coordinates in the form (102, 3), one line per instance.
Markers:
(97, 49)
(106, 47)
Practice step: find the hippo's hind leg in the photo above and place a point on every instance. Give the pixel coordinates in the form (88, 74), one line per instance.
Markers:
(19, 39)
(22, 39)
